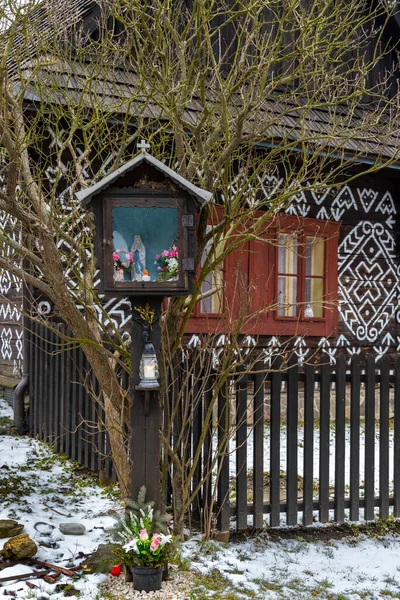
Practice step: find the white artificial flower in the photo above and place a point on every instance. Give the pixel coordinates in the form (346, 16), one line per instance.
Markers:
(164, 539)
(131, 545)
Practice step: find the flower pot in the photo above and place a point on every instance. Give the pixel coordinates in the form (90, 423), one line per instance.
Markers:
(147, 579)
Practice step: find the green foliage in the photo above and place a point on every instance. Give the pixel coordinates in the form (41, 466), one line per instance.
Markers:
(141, 531)
(160, 520)
(6, 422)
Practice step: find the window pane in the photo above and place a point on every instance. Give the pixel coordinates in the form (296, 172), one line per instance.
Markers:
(213, 284)
(287, 254)
(315, 256)
(314, 292)
(212, 303)
(287, 296)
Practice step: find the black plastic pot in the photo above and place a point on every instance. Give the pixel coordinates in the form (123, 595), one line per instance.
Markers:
(147, 579)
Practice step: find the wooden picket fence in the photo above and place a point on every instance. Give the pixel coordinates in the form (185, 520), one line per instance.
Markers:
(292, 442)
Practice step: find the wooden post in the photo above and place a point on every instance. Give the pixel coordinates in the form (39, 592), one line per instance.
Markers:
(145, 417)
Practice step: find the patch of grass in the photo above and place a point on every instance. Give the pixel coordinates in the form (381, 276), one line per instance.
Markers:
(264, 584)
(12, 487)
(216, 585)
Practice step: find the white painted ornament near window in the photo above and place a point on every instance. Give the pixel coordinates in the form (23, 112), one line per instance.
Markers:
(309, 313)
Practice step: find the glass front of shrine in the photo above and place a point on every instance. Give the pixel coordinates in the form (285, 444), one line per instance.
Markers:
(145, 244)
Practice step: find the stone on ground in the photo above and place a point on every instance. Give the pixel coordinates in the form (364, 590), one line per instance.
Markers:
(10, 528)
(19, 547)
(72, 528)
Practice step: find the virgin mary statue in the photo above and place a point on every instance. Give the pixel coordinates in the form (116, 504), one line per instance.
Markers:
(139, 258)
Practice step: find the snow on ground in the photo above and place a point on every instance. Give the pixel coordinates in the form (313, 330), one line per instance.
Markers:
(40, 486)
(36, 487)
(352, 569)
(5, 410)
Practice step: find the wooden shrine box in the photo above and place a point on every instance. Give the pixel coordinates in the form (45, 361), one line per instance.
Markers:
(145, 218)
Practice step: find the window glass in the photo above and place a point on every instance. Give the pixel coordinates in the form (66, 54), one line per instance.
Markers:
(314, 280)
(287, 275)
(212, 287)
(145, 240)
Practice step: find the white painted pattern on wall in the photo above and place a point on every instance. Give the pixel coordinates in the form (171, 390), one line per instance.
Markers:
(369, 280)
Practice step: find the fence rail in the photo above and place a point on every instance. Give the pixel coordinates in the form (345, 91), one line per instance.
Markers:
(293, 443)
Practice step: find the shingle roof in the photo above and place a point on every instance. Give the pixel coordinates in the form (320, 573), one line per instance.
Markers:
(118, 90)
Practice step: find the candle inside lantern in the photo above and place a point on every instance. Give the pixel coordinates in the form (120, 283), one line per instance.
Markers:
(149, 370)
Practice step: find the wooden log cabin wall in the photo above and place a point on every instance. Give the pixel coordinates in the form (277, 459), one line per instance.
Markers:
(366, 213)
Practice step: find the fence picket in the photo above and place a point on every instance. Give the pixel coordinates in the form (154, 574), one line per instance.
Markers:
(223, 459)
(40, 393)
(207, 447)
(56, 398)
(340, 437)
(275, 441)
(80, 415)
(197, 408)
(292, 440)
(308, 480)
(241, 453)
(396, 441)
(369, 438)
(324, 442)
(32, 381)
(258, 447)
(384, 438)
(355, 438)
(34, 408)
(49, 413)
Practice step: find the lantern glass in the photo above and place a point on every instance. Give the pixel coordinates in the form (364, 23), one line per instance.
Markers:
(145, 244)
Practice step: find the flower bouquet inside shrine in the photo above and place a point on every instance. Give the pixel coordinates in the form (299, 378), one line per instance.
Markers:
(168, 264)
(123, 261)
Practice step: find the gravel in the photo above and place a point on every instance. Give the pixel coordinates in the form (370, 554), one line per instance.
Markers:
(177, 587)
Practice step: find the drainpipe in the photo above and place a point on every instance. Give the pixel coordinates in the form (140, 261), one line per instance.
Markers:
(20, 416)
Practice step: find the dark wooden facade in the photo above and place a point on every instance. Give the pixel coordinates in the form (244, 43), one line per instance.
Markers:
(366, 211)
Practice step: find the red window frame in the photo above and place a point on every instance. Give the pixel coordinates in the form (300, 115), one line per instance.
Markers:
(251, 280)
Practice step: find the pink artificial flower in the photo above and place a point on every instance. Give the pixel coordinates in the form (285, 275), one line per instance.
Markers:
(158, 256)
(154, 544)
(118, 269)
(164, 253)
(131, 262)
(143, 535)
(159, 269)
(121, 250)
(171, 254)
(115, 256)
(129, 255)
